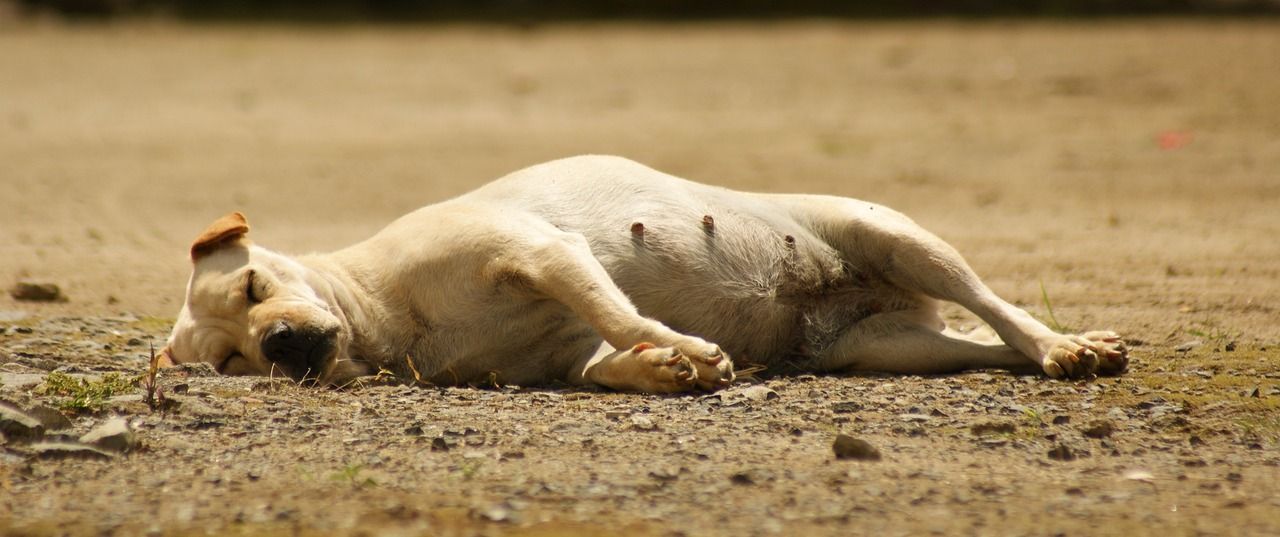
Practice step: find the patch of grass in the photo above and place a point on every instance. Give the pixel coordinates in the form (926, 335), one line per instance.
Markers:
(351, 474)
(1263, 426)
(471, 468)
(83, 395)
(1048, 307)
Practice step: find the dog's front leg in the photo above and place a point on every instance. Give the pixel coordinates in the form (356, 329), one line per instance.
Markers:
(654, 358)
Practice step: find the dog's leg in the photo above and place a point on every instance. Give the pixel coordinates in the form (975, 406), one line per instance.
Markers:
(911, 258)
(654, 358)
(643, 368)
(910, 342)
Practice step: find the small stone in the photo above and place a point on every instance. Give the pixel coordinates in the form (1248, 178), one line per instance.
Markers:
(17, 425)
(759, 393)
(1099, 429)
(643, 423)
(1230, 347)
(37, 292)
(616, 415)
(743, 478)
(1062, 452)
(990, 428)
(50, 418)
(67, 450)
(846, 407)
(1186, 347)
(1140, 475)
(848, 447)
(114, 434)
(1061, 419)
(439, 444)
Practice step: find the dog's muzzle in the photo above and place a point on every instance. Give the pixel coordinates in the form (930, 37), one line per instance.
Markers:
(300, 352)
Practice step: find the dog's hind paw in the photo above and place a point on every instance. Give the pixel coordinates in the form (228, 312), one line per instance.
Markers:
(715, 369)
(1085, 355)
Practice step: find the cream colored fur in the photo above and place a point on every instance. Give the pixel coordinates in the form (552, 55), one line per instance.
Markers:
(600, 270)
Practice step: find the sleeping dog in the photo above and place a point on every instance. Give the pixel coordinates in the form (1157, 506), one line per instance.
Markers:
(599, 270)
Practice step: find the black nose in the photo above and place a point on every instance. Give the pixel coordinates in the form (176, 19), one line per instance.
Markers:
(299, 352)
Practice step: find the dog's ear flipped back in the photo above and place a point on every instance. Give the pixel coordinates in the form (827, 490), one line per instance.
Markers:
(223, 230)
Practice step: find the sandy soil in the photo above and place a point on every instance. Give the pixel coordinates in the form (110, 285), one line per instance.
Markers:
(1130, 168)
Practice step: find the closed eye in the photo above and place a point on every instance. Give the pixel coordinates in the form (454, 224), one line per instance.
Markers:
(249, 292)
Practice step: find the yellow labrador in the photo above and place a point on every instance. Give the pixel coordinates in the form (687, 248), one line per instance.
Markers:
(600, 270)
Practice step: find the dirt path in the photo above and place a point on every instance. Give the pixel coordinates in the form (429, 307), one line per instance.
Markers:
(1129, 167)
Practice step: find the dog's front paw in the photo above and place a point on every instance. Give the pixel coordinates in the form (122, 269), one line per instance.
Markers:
(1086, 355)
(713, 366)
(662, 369)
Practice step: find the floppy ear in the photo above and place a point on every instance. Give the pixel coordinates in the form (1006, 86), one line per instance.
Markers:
(223, 230)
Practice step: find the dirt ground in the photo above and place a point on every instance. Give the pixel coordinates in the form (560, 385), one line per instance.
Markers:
(1129, 169)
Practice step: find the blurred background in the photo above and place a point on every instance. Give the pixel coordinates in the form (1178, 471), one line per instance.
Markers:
(542, 10)
(1124, 153)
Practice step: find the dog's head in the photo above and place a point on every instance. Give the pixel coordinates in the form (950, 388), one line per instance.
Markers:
(250, 311)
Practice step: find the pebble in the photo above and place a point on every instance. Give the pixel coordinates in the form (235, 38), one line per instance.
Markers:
(67, 450)
(1099, 429)
(991, 427)
(1186, 347)
(18, 425)
(1062, 452)
(113, 435)
(50, 417)
(848, 447)
(643, 423)
(37, 292)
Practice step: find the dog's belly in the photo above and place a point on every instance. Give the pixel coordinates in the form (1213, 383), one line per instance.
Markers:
(730, 267)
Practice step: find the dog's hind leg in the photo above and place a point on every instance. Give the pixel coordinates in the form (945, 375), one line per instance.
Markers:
(890, 245)
(909, 342)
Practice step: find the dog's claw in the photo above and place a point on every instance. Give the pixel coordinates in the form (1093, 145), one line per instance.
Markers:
(1085, 356)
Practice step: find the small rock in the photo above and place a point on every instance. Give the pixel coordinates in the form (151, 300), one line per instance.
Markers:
(759, 393)
(845, 407)
(616, 414)
(1186, 347)
(440, 444)
(665, 474)
(746, 477)
(987, 428)
(1061, 419)
(37, 292)
(1062, 452)
(1140, 475)
(17, 425)
(67, 450)
(1099, 429)
(643, 423)
(1230, 347)
(50, 418)
(497, 513)
(848, 447)
(114, 434)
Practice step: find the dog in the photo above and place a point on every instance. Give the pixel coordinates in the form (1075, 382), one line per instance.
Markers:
(600, 270)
